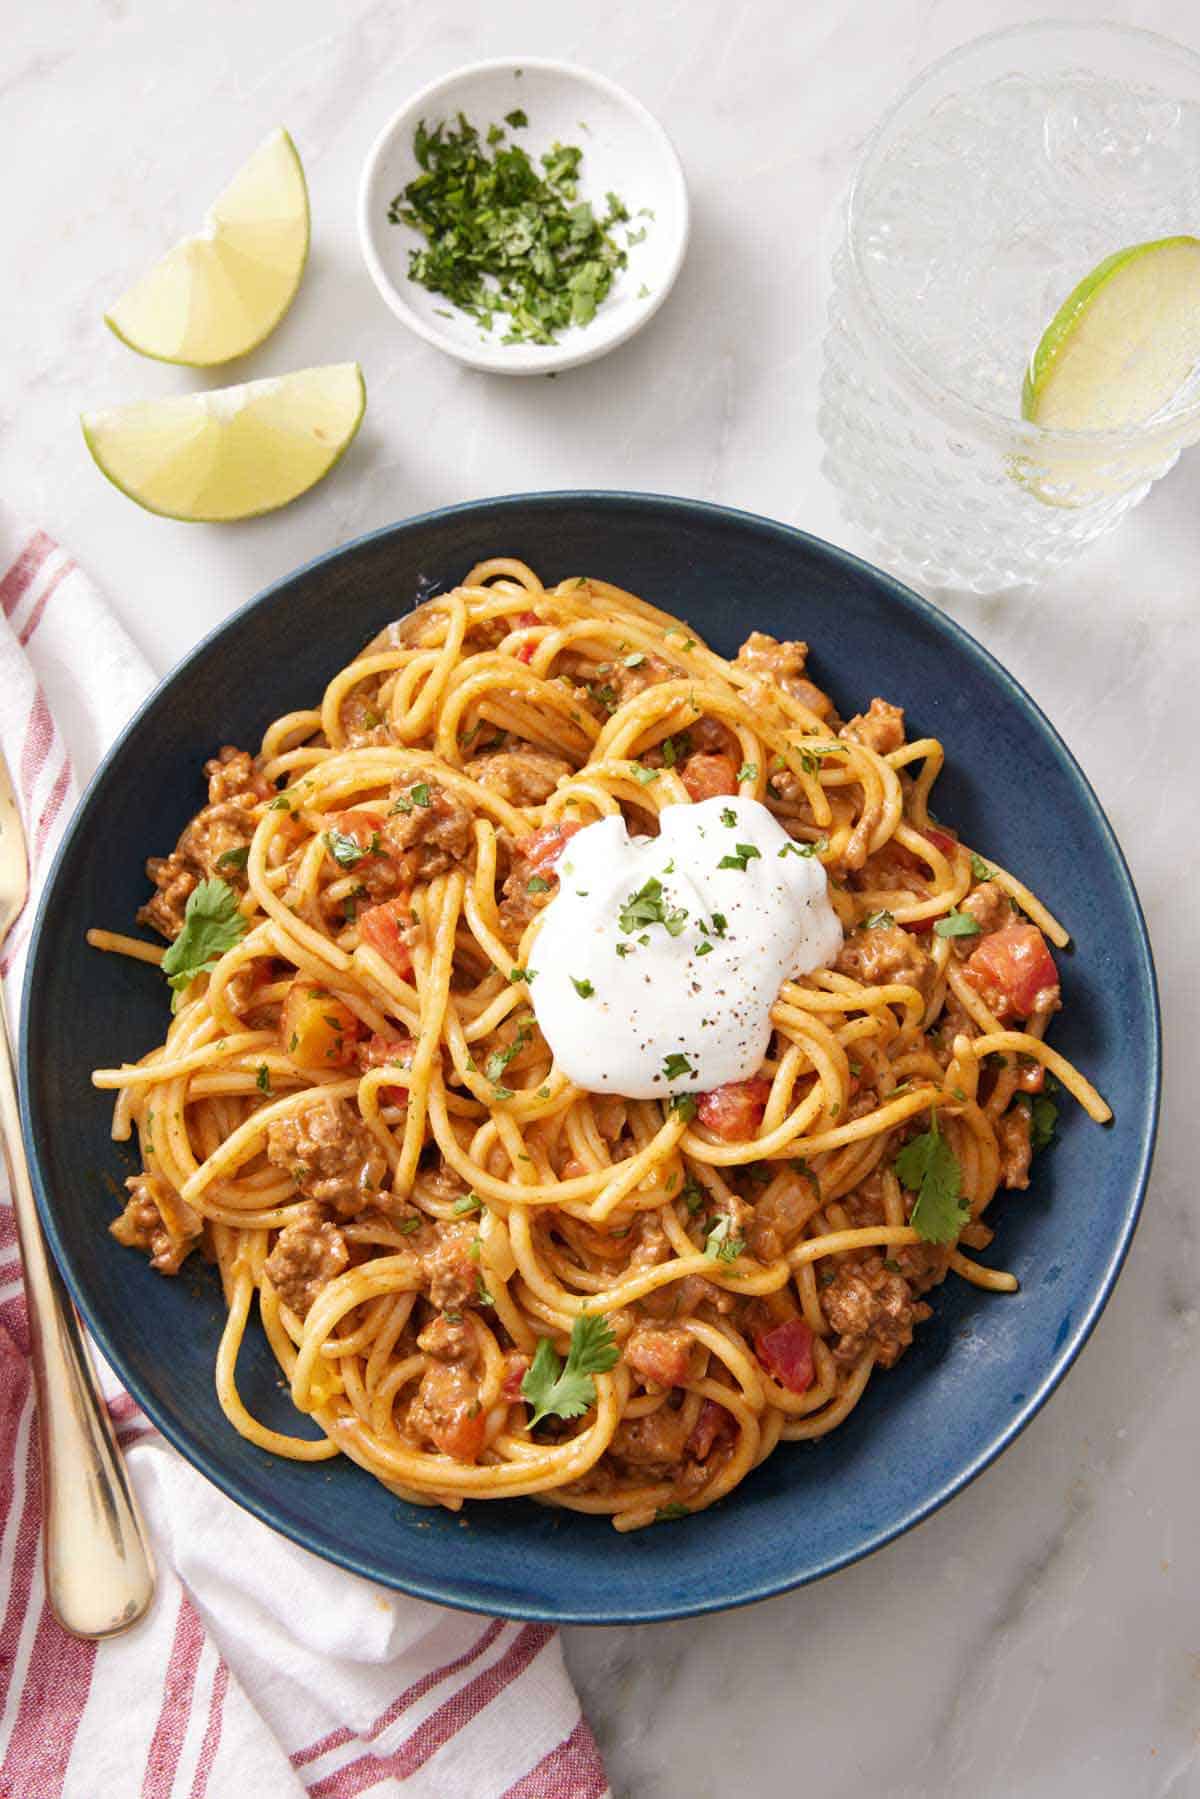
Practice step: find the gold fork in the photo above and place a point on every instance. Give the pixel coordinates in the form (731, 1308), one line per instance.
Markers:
(99, 1575)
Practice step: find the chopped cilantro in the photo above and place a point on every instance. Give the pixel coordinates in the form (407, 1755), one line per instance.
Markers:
(636, 659)
(684, 1106)
(537, 884)
(346, 850)
(469, 1202)
(704, 949)
(516, 118)
(235, 858)
(646, 906)
(980, 869)
(281, 803)
(499, 1060)
(729, 818)
(792, 848)
(719, 1246)
(745, 853)
(521, 974)
(666, 1514)
(881, 920)
(583, 988)
(566, 1390)
(262, 1079)
(719, 924)
(503, 236)
(407, 1226)
(676, 1065)
(748, 772)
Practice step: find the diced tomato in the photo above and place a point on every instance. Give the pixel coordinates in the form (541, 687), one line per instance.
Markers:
(664, 1357)
(377, 1052)
(707, 777)
(920, 927)
(786, 1352)
(529, 618)
(941, 840)
(734, 1111)
(459, 1435)
(713, 1423)
(516, 1367)
(1014, 973)
(364, 829)
(387, 928)
(317, 1030)
(542, 850)
(525, 653)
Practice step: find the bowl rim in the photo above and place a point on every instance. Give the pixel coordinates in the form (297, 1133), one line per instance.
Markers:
(458, 1594)
(515, 359)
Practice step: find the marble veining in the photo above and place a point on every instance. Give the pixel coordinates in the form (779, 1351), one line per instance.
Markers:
(1041, 1636)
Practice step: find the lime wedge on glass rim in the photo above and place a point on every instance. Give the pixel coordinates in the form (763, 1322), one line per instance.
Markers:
(1123, 342)
(233, 452)
(217, 294)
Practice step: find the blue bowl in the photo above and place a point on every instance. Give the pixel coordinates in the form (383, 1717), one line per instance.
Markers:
(980, 1367)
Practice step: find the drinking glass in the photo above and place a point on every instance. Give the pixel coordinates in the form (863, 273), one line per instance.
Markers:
(1000, 179)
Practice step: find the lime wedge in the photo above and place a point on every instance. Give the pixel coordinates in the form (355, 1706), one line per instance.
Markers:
(233, 452)
(216, 295)
(1122, 343)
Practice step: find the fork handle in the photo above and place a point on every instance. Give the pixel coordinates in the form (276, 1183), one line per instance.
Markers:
(99, 1572)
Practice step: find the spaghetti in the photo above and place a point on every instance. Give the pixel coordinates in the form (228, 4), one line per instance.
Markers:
(480, 1280)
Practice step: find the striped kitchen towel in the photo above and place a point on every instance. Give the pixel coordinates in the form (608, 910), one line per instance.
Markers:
(259, 1669)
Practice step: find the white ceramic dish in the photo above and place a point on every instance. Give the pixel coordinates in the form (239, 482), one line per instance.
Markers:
(625, 151)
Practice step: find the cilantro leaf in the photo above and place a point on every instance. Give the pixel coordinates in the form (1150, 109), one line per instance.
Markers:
(957, 924)
(566, 1391)
(928, 1167)
(212, 925)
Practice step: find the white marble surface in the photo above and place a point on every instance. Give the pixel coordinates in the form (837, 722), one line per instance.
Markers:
(1042, 1635)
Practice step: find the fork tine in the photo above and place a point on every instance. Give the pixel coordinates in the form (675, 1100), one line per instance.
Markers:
(14, 863)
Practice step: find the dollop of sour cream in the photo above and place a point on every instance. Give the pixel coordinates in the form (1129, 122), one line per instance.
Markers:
(659, 958)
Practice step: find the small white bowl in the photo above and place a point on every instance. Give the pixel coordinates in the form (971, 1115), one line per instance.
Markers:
(625, 151)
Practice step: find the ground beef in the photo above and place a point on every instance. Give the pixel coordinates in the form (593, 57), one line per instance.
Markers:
(308, 1254)
(1014, 1136)
(219, 830)
(362, 720)
(881, 954)
(880, 727)
(446, 1411)
(783, 665)
(990, 907)
(427, 839)
(708, 777)
(653, 1444)
(451, 1269)
(924, 1265)
(661, 1357)
(522, 777)
(870, 1307)
(331, 1156)
(628, 682)
(157, 1222)
(448, 1340)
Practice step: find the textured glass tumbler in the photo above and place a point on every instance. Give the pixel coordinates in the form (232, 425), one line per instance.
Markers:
(1001, 177)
